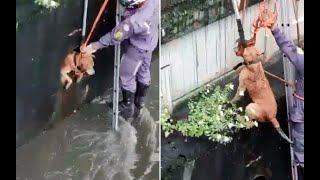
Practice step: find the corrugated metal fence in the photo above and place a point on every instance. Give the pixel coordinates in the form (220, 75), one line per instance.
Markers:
(207, 53)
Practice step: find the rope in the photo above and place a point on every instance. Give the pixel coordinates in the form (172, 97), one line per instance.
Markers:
(95, 23)
(286, 82)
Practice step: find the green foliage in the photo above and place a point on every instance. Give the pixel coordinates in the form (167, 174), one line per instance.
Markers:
(166, 122)
(47, 3)
(212, 114)
(28, 11)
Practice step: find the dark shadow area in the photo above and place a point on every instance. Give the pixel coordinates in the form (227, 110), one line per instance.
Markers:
(257, 152)
(260, 178)
(42, 43)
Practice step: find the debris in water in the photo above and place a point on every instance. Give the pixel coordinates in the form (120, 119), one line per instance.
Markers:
(74, 32)
(253, 161)
(32, 59)
(75, 111)
(185, 140)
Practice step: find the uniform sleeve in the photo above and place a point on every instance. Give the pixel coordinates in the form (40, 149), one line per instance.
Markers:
(121, 32)
(288, 48)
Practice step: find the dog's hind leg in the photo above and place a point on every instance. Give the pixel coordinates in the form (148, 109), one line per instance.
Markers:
(276, 125)
(255, 112)
(65, 77)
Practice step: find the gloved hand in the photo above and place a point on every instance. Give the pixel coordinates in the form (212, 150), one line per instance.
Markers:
(88, 50)
(92, 48)
(271, 22)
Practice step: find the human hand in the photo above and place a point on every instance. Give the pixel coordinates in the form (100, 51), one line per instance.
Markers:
(88, 50)
(271, 22)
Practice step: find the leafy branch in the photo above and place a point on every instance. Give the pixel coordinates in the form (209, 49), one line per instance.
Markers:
(212, 114)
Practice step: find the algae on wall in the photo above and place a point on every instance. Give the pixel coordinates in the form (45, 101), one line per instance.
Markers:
(179, 17)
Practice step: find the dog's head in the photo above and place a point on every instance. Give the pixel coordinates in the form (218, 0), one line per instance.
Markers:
(251, 53)
(85, 63)
(248, 52)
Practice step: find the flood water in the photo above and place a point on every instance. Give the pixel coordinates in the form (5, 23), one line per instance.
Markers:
(84, 146)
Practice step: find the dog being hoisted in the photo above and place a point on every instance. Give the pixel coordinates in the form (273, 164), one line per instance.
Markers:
(252, 77)
(78, 63)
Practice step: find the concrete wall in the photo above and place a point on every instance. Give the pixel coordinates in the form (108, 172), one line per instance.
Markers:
(196, 58)
(42, 42)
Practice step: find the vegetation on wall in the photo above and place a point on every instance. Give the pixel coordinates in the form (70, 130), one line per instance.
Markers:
(179, 17)
(212, 114)
(47, 3)
(27, 11)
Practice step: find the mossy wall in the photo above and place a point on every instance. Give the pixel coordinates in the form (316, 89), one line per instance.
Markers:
(179, 17)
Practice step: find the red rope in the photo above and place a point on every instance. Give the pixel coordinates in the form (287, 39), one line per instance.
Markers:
(95, 23)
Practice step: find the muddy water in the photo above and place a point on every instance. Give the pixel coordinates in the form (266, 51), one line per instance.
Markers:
(84, 146)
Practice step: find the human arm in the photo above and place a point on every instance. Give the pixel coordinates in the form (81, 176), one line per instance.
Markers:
(118, 34)
(288, 47)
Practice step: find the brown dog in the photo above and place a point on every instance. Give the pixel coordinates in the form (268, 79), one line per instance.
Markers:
(77, 63)
(253, 79)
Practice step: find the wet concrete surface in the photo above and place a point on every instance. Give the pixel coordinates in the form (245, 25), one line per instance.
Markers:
(259, 151)
(84, 147)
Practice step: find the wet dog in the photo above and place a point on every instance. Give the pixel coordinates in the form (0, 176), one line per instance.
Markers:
(79, 64)
(253, 79)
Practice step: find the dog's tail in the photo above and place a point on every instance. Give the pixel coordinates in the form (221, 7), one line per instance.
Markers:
(283, 135)
(276, 125)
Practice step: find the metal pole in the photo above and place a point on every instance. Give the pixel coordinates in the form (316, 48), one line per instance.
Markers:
(288, 74)
(115, 111)
(235, 8)
(84, 19)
